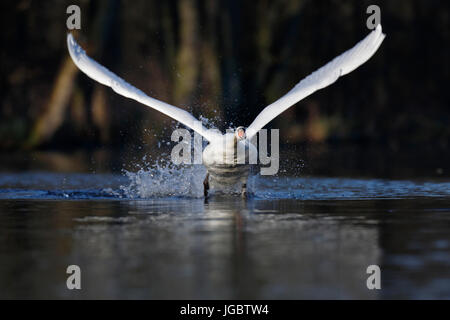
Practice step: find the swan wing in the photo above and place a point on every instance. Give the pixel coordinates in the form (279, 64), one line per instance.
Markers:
(100, 74)
(321, 78)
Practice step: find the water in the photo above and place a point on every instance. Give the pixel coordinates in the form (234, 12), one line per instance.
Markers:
(151, 235)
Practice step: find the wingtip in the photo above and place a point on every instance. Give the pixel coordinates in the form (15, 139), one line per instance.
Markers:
(379, 30)
(74, 48)
(70, 41)
(69, 37)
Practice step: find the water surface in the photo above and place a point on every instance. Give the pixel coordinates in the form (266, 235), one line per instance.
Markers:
(295, 238)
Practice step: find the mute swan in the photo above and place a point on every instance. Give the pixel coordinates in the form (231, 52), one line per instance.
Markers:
(221, 167)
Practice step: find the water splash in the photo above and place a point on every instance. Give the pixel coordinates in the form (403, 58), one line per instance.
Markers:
(164, 179)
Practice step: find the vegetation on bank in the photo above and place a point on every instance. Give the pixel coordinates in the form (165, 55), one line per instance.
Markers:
(223, 60)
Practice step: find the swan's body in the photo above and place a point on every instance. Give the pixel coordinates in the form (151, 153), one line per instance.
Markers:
(226, 166)
(227, 161)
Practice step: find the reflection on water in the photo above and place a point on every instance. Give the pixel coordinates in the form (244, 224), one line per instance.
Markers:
(187, 182)
(296, 238)
(150, 234)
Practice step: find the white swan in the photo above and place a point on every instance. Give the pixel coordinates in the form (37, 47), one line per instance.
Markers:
(223, 168)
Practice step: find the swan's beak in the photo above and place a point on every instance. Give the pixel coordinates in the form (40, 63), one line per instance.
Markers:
(240, 133)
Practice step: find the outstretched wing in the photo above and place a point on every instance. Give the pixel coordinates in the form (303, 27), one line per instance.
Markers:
(99, 73)
(328, 74)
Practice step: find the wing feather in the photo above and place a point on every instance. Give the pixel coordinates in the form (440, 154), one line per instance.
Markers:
(99, 73)
(321, 78)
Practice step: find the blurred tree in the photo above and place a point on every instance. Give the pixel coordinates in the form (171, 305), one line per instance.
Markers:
(224, 60)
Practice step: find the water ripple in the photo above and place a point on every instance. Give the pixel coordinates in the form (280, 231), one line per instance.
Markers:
(188, 182)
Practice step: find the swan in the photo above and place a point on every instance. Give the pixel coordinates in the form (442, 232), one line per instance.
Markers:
(224, 165)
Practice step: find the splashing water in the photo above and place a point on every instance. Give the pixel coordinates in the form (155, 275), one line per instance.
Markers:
(164, 179)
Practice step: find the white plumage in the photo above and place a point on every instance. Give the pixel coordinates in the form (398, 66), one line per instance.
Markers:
(99, 73)
(223, 168)
(321, 78)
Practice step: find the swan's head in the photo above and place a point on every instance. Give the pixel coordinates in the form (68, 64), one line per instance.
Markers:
(240, 133)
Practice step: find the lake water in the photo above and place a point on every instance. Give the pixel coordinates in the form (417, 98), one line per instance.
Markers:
(151, 235)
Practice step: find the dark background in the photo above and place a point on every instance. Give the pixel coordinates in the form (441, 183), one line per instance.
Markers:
(226, 60)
